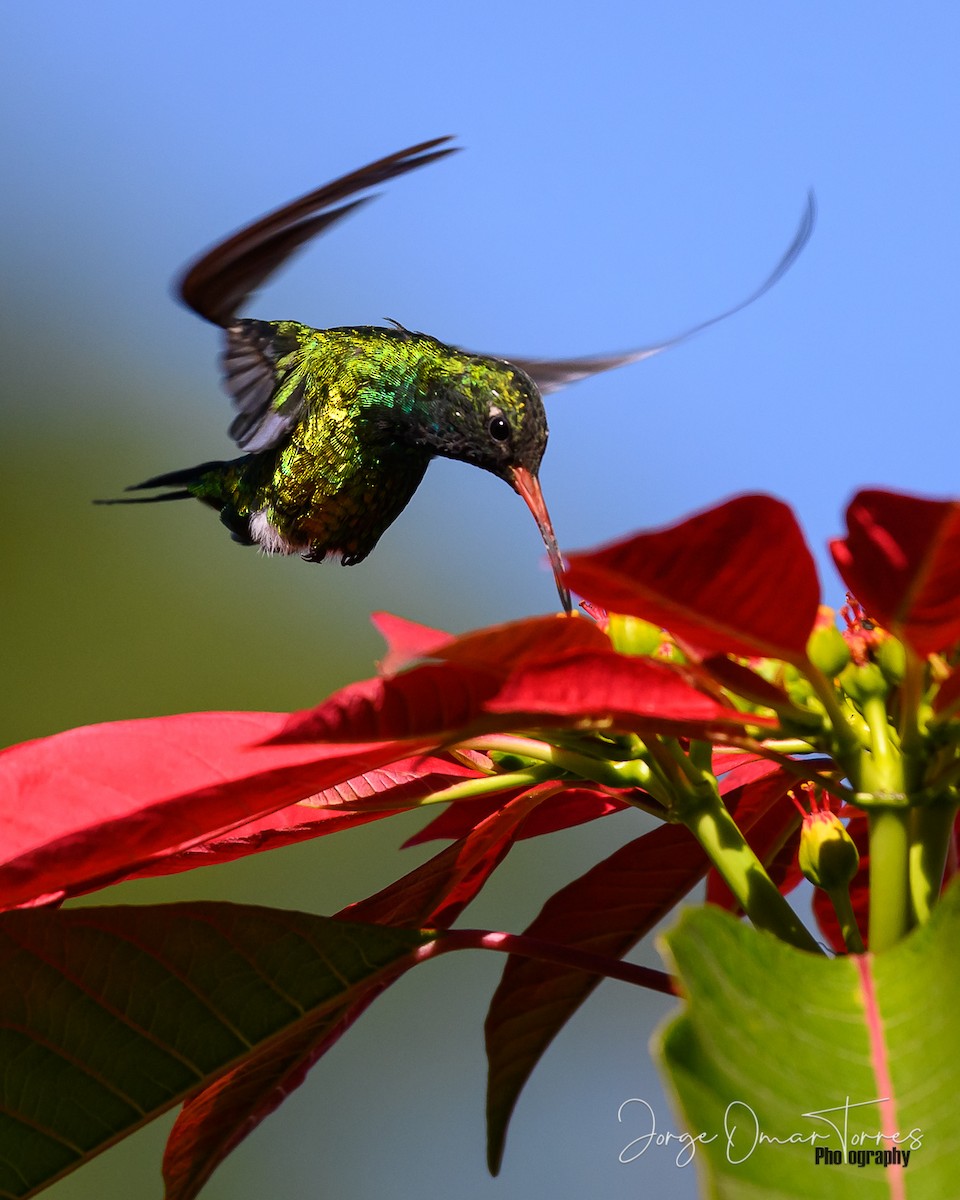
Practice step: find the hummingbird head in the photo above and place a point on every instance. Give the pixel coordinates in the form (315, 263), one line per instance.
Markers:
(489, 413)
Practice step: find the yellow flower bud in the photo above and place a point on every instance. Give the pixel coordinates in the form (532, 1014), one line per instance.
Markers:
(827, 649)
(828, 856)
(633, 636)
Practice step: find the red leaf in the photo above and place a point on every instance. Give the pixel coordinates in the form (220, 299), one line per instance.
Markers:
(737, 579)
(901, 559)
(428, 700)
(636, 693)
(784, 866)
(440, 700)
(216, 1120)
(743, 681)
(735, 772)
(357, 801)
(92, 805)
(572, 806)
(505, 648)
(499, 649)
(948, 693)
(606, 911)
(435, 893)
(406, 641)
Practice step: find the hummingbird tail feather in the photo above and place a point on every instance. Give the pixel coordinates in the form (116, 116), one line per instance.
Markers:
(186, 482)
(181, 495)
(184, 477)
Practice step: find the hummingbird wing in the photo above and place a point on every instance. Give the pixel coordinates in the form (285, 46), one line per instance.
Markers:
(552, 374)
(223, 279)
(220, 281)
(266, 410)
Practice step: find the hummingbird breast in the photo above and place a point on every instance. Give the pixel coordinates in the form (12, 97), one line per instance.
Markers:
(320, 509)
(332, 488)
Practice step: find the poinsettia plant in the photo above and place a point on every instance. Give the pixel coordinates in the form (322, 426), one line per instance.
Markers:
(704, 686)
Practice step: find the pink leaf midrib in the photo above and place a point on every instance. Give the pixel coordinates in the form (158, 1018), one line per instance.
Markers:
(880, 1063)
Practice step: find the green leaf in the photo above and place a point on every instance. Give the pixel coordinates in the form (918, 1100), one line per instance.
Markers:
(771, 1036)
(109, 1016)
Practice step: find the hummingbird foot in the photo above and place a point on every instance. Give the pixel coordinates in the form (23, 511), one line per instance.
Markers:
(317, 554)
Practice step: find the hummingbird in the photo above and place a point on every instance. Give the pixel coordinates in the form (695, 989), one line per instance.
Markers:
(337, 426)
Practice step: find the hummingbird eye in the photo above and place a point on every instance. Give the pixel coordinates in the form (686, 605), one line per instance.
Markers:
(498, 429)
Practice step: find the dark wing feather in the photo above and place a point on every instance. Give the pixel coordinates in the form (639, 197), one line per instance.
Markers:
(222, 280)
(552, 374)
(216, 285)
(253, 379)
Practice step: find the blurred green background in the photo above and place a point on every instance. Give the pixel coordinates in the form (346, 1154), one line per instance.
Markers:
(631, 169)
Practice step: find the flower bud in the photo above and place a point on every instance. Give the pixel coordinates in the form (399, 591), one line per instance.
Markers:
(892, 660)
(634, 636)
(862, 683)
(828, 856)
(827, 649)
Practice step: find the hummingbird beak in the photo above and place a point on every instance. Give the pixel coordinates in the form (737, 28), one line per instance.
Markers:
(528, 486)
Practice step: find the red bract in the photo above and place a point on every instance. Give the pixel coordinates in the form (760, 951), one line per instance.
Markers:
(406, 641)
(90, 806)
(356, 801)
(637, 694)
(571, 806)
(736, 579)
(550, 670)
(901, 558)
(149, 797)
(608, 910)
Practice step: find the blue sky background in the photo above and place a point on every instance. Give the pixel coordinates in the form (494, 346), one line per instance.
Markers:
(631, 169)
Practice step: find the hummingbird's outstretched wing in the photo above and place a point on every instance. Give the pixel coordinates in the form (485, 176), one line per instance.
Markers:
(552, 374)
(218, 283)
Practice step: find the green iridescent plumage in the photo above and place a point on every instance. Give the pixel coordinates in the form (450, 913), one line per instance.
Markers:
(338, 425)
(373, 406)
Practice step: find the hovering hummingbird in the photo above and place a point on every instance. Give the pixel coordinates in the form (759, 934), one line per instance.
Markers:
(339, 425)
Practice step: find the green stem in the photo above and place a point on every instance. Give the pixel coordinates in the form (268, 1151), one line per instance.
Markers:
(847, 741)
(630, 773)
(489, 785)
(880, 774)
(889, 895)
(885, 756)
(788, 746)
(932, 827)
(911, 694)
(744, 874)
(672, 764)
(840, 899)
